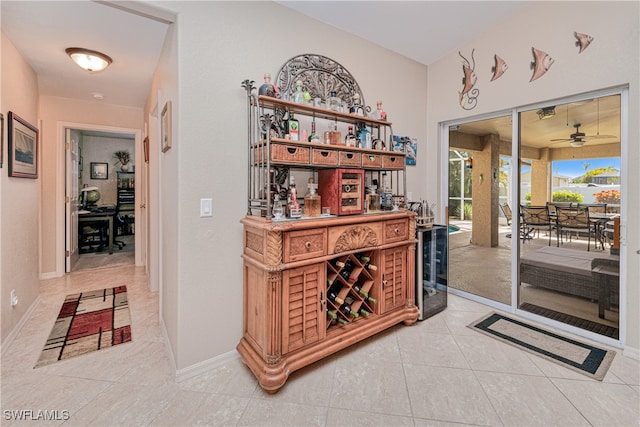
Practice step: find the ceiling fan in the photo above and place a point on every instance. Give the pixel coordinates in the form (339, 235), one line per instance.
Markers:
(578, 139)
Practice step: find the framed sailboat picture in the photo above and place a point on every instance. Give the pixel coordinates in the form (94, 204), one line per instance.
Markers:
(23, 148)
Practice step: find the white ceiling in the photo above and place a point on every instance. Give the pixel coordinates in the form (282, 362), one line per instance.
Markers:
(133, 33)
(424, 31)
(42, 30)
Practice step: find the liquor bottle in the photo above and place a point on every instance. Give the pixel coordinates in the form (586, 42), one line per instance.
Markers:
(334, 102)
(350, 139)
(364, 135)
(293, 128)
(312, 200)
(314, 137)
(356, 107)
(268, 88)
(335, 136)
(293, 206)
(298, 95)
(379, 113)
(373, 199)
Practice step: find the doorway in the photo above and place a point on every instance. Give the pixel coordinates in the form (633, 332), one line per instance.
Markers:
(102, 198)
(583, 132)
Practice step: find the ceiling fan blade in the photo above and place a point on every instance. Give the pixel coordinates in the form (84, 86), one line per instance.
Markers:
(561, 140)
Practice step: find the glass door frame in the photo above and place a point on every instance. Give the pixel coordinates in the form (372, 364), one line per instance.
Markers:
(444, 127)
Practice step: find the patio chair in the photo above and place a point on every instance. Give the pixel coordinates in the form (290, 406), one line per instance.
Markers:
(573, 221)
(506, 211)
(534, 219)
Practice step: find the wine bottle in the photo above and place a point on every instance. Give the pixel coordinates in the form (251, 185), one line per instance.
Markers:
(336, 263)
(370, 300)
(347, 269)
(366, 261)
(346, 309)
(364, 313)
(332, 314)
(332, 293)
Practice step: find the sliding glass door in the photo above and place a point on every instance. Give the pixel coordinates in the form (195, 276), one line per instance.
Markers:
(570, 194)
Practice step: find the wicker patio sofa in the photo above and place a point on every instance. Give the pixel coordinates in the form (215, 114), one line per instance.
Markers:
(565, 270)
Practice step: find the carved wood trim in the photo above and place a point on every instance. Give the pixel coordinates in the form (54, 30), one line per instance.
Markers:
(274, 248)
(355, 238)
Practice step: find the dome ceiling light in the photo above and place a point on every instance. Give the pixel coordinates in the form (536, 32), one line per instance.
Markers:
(89, 60)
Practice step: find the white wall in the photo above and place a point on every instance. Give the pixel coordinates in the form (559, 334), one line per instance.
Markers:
(220, 44)
(611, 60)
(19, 197)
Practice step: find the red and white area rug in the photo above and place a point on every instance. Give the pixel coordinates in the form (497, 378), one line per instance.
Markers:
(87, 322)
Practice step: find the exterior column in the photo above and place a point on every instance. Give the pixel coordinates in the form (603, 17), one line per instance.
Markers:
(540, 179)
(485, 197)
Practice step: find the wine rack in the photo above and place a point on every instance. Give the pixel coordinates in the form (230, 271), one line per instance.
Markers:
(350, 280)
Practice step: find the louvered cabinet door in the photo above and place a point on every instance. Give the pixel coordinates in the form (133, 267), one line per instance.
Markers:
(303, 311)
(393, 279)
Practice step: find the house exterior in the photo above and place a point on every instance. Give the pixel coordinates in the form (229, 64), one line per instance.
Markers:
(211, 48)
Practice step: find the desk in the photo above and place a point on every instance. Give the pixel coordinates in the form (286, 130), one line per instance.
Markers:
(104, 215)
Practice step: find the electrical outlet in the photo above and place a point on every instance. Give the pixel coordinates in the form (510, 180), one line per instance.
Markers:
(14, 298)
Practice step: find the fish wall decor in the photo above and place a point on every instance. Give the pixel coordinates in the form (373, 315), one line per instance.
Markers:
(499, 67)
(541, 63)
(583, 41)
(468, 97)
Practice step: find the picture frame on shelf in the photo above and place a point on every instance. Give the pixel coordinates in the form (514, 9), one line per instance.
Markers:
(165, 127)
(99, 170)
(23, 148)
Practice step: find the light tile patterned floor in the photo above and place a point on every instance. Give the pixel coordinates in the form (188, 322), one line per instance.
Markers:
(436, 372)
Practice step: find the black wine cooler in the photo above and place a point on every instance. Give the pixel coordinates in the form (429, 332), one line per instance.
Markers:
(431, 270)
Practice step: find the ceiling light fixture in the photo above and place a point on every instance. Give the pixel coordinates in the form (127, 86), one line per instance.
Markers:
(89, 60)
(546, 112)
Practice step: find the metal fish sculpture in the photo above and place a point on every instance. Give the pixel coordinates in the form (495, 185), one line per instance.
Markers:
(541, 63)
(468, 97)
(499, 67)
(583, 41)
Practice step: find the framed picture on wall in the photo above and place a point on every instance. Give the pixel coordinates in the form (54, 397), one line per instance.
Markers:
(165, 127)
(99, 170)
(23, 148)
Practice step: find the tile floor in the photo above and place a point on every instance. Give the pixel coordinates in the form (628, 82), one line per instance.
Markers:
(436, 372)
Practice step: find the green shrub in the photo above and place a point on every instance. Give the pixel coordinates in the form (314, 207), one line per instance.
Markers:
(566, 196)
(467, 211)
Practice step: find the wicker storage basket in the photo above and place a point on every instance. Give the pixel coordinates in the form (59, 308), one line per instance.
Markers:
(371, 161)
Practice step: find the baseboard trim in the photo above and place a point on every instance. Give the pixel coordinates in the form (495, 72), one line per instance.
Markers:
(167, 345)
(632, 352)
(50, 275)
(16, 330)
(206, 365)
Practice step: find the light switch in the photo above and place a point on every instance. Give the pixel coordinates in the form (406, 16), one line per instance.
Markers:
(206, 207)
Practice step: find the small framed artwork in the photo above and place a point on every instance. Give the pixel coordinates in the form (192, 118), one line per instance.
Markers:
(165, 127)
(145, 146)
(1, 139)
(99, 170)
(23, 148)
